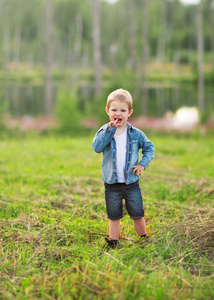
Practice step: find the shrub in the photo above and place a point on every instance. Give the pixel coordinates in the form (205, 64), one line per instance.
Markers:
(67, 112)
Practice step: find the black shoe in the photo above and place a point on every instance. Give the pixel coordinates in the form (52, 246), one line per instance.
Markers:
(144, 236)
(112, 243)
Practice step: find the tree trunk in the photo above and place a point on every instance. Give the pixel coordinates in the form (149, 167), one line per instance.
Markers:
(162, 34)
(16, 48)
(6, 45)
(132, 33)
(78, 39)
(145, 57)
(212, 35)
(49, 36)
(96, 46)
(200, 57)
(77, 49)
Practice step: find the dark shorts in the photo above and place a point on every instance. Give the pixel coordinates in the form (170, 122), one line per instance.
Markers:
(114, 195)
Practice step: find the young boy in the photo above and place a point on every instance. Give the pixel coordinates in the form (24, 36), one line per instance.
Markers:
(120, 143)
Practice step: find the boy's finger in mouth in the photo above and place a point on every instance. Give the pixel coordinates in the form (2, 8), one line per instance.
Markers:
(117, 120)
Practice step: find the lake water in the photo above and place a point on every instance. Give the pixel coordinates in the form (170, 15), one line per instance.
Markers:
(28, 99)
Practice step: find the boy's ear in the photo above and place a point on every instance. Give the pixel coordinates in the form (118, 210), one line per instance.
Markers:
(130, 113)
(107, 111)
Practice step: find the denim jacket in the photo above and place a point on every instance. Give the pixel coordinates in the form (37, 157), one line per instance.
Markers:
(104, 142)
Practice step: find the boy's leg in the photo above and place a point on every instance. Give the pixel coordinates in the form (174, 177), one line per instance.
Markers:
(114, 198)
(140, 226)
(134, 205)
(114, 229)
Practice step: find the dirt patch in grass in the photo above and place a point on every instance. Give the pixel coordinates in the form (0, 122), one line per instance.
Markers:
(173, 186)
(82, 187)
(188, 242)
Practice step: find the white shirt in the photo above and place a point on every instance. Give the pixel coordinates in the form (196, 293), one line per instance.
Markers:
(121, 141)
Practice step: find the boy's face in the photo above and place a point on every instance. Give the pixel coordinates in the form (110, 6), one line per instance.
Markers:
(118, 112)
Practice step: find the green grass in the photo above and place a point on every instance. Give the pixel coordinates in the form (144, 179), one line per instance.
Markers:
(53, 223)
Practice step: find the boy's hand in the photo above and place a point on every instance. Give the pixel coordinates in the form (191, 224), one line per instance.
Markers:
(138, 169)
(113, 123)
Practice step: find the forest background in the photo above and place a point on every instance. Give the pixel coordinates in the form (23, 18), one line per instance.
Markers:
(62, 58)
(59, 59)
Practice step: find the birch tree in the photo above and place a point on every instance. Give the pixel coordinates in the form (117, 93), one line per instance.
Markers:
(200, 44)
(145, 55)
(132, 32)
(96, 46)
(16, 48)
(162, 34)
(49, 57)
(6, 45)
(77, 48)
(212, 35)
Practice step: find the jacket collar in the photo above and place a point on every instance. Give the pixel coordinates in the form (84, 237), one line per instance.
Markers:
(129, 126)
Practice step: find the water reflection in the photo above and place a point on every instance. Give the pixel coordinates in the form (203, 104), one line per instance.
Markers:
(28, 99)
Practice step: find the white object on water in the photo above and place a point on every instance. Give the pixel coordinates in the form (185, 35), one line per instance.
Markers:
(185, 118)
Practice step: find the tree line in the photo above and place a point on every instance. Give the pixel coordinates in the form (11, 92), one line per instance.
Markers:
(128, 34)
(171, 36)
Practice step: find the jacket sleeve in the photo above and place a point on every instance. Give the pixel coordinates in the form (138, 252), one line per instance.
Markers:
(148, 150)
(103, 137)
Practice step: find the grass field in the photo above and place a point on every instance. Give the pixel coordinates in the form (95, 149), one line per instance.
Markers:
(53, 223)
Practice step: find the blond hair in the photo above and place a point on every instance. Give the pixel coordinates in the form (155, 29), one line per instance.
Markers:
(121, 95)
